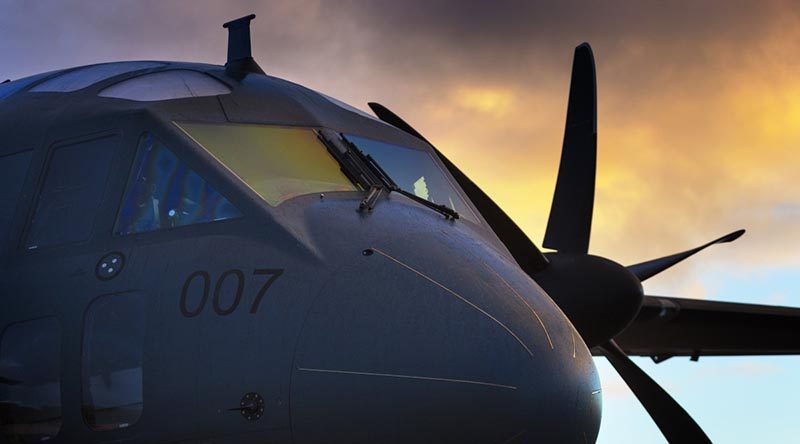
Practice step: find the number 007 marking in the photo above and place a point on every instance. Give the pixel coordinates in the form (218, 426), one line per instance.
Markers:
(274, 274)
(233, 274)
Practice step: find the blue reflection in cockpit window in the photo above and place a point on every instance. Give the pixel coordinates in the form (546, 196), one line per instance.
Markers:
(165, 193)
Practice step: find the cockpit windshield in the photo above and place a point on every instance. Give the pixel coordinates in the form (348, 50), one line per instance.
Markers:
(278, 163)
(415, 171)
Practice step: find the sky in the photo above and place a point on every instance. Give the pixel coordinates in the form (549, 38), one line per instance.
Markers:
(698, 132)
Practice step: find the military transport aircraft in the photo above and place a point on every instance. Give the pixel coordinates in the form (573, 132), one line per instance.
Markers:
(199, 253)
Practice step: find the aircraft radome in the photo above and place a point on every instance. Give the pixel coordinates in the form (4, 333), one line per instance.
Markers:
(201, 253)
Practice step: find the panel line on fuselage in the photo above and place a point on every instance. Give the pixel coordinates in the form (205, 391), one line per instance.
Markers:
(393, 375)
(463, 299)
(519, 296)
(574, 346)
(513, 438)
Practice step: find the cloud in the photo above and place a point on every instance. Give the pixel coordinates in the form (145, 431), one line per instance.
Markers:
(699, 102)
(494, 102)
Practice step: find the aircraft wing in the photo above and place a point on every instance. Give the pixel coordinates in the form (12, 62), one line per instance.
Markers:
(667, 326)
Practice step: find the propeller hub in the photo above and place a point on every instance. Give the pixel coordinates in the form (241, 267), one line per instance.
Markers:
(599, 296)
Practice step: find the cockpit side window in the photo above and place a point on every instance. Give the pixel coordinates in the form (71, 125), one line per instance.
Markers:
(72, 192)
(165, 193)
(30, 381)
(13, 169)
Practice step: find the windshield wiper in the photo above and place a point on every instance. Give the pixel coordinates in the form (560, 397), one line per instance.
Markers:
(387, 182)
(354, 167)
(349, 163)
(366, 173)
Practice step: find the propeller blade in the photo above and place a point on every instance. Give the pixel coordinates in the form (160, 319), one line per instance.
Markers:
(570, 221)
(524, 251)
(388, 116)
(674, 422)
(648, 269)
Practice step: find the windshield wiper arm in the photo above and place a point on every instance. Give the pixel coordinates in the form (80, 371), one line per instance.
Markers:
(354, 167)
(366, 173)
(443, 209)
(349, 164)
(390, 184)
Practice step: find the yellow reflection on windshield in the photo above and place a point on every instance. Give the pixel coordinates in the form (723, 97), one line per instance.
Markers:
(277, 163)
(421, 188)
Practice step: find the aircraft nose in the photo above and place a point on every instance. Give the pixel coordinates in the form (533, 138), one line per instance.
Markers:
(442, 346)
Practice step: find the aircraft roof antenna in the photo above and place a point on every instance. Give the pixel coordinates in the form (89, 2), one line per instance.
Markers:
(240, 60)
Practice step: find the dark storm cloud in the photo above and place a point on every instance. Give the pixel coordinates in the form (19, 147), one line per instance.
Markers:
(510, 38)
(410, 38)
(526, 24)
(696, 98)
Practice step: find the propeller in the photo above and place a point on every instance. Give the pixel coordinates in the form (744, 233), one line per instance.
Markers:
(600, 296)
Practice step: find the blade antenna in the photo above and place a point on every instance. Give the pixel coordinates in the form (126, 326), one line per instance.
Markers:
(240, 58)
(570, 221)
